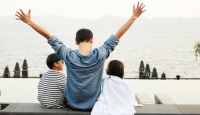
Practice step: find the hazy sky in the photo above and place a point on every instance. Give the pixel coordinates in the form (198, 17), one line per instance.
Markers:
(95, 9)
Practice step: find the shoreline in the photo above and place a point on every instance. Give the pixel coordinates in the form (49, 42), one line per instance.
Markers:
(124, 78)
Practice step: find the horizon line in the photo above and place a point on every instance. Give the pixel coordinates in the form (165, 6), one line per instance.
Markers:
(104, 17)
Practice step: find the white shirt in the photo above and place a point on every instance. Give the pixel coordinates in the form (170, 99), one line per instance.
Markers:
(115, 98)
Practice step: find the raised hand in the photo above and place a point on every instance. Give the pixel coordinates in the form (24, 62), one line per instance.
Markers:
(136, 13)
(139, 10)
(24, 17)
(27, 19)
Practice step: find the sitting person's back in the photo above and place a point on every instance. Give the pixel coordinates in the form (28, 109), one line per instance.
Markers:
(116, 96)
(52, 84)
(84, 70)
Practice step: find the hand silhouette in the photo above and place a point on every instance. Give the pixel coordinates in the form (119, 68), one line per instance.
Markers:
(24, 17)
(139, 10)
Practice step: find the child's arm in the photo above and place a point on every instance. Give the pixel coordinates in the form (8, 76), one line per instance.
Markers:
(27, 19)
(136, 13)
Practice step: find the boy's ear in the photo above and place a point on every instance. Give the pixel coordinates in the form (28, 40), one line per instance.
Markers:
(55, 64)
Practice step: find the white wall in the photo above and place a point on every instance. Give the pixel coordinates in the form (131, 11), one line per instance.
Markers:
(182, 92)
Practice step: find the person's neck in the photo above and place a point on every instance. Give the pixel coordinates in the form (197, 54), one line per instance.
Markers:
(55, 69)
(84, 48)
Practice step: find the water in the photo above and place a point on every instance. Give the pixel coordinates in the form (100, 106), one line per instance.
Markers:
(169, 53)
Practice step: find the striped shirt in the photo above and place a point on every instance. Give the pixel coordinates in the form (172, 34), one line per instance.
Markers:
(51, 88)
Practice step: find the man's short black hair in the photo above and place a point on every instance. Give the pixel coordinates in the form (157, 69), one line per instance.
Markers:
(116, 68)
(83, 35)
(51, 59)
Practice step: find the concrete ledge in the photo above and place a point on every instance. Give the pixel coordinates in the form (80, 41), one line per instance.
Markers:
(189, 109)
(7, 108)
(143, 99)
(148, 109)
(163, 99)
(36, 109)
(78, 112)
(158, 110)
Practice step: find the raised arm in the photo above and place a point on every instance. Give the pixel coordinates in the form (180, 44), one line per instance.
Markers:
(136, 13)
(27, 19)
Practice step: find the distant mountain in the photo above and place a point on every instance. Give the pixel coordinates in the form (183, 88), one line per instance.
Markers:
(108, 23)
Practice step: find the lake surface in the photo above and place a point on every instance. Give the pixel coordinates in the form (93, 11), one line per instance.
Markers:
(169, 53)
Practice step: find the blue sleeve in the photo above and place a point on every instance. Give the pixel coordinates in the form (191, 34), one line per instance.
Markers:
(60, 49)
(108, 46)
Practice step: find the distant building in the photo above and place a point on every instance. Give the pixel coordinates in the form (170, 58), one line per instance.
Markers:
(163, 76)
(17, 71)
(141, 70)
(147, 72)
(25, 69)
(154, 74)
(6, 72)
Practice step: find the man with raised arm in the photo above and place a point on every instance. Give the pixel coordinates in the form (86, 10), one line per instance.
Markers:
(84, 65)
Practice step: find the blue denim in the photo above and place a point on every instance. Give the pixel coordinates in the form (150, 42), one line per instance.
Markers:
(84, 72)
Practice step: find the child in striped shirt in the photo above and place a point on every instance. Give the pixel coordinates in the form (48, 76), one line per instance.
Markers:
(52, 84)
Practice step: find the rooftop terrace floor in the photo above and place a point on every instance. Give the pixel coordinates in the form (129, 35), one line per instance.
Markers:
(151, 109)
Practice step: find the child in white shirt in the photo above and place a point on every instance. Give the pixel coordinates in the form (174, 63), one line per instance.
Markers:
(116, 96)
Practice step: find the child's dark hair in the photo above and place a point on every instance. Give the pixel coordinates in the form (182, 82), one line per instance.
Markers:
(83, 35)
(51, 59)
(116, 68)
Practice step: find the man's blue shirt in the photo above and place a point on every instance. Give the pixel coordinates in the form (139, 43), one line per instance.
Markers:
(84, 72)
